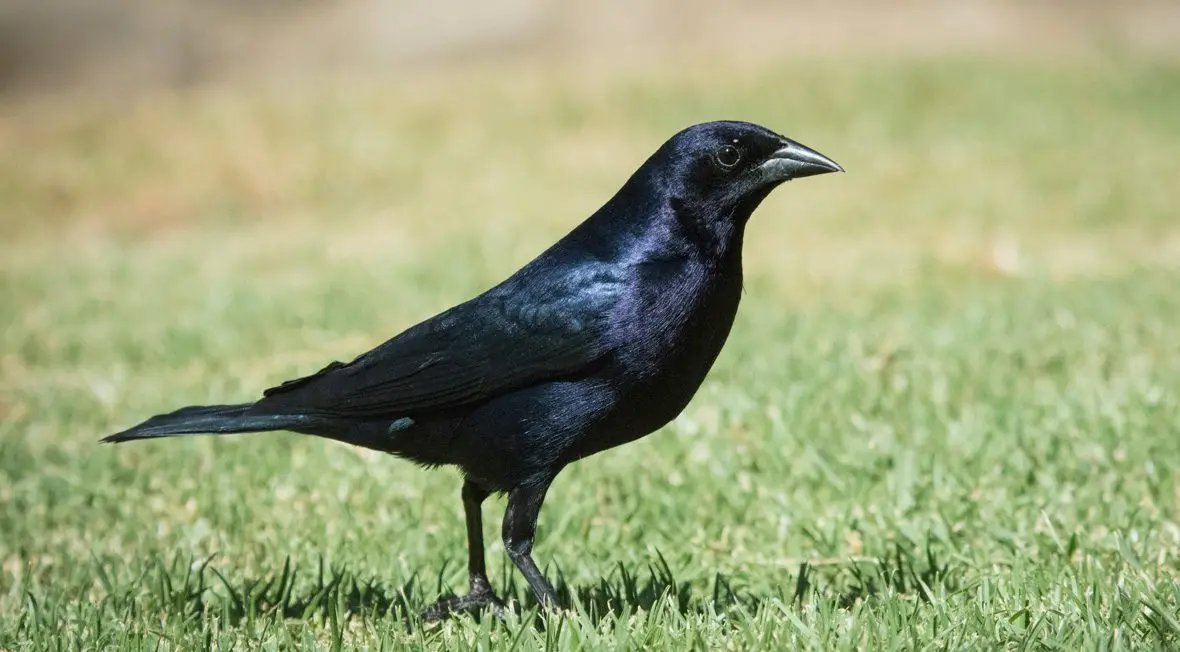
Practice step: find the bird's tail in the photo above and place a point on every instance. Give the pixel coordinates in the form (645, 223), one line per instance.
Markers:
(208, 420)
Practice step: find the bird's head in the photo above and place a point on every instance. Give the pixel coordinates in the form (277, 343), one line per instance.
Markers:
(721, 171)
(707, 180)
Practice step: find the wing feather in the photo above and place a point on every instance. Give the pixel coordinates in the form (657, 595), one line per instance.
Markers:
(495, 343)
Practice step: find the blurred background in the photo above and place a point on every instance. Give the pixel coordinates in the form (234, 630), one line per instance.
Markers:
(131, 116)
(126, 45)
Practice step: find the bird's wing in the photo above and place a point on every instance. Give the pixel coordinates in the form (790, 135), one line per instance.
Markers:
(503, 340)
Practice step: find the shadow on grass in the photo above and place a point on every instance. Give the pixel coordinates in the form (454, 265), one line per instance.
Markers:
(896, 573)
(335, 595)
(195, 590)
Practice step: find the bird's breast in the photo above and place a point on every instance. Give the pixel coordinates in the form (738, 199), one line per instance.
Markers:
(675, 333)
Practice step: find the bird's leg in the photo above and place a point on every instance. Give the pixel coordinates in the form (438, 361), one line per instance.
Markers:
(520, 527)
(480, 593)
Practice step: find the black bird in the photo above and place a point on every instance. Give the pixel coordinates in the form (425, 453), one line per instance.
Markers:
(600, 340)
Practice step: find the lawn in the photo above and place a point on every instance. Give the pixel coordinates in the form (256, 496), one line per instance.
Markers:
(947, 417)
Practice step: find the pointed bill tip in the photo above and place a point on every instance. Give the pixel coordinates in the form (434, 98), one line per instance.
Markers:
(794, 161)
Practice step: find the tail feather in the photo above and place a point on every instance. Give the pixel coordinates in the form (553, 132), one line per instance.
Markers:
(207, 420)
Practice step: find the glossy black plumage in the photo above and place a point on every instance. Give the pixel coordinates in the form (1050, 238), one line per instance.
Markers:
(600, 340)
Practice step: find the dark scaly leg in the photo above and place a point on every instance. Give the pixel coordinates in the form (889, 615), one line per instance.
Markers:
(520, 527)
(480, 594)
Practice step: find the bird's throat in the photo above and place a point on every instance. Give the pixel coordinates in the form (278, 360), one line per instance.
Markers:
(715, 233)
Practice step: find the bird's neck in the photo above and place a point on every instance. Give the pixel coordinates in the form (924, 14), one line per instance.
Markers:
(645, 221)
(715, 234)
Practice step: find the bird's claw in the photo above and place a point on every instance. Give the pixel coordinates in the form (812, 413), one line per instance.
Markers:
(473, 602)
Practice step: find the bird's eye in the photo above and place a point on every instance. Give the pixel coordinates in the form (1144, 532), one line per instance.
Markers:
(727, 156)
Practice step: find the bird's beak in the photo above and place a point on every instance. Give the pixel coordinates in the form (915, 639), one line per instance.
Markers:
(794, 161)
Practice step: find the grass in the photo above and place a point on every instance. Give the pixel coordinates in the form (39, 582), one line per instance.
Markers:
(947, 417)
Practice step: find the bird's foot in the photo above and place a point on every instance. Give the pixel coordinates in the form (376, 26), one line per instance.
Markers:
(475, 601)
